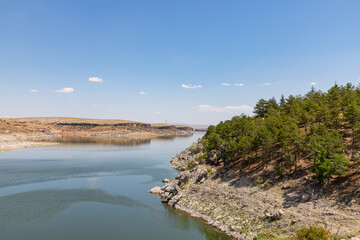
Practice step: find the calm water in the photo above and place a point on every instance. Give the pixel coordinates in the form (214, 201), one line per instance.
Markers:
(93, 191)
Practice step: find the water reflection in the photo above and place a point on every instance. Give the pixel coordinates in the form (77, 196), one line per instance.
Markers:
(21, 208)
(114, 140)
(102, 140)
(90, 192)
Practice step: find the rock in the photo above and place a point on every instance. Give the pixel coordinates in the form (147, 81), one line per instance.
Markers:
(166, 180)
(174, 200)
(305, 198)
(354, 238)
(285, 186)
(183, 177)
(199, 174)
(277, 215)
(351, 203)
(172, 187)
(155, 190)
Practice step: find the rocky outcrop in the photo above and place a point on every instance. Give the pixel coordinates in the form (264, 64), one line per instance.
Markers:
(243, 207)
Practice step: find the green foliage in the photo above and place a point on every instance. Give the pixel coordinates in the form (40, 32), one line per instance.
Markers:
(259, 180)
(325, 168)
(191, 165)
(212, 141)
(327, 147)
(313, 126)
(278, 170)
(195, 148)
(267, 236)
(209, 170)
(313, 232)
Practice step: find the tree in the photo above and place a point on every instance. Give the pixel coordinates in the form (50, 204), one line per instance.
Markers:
(326, 147)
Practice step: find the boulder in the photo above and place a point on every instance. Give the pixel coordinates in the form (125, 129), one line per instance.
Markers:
(156, 190)
(274, 216)
(199, 174)
(305, 198)
(183, 177)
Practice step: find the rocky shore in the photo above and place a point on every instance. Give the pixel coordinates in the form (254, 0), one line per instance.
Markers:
(243, 206)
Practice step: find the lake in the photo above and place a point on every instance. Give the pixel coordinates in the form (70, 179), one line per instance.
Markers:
(93, 190)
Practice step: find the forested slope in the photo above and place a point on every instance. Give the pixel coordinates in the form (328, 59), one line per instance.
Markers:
(319, 131)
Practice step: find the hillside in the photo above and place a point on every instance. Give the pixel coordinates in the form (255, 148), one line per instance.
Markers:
(17, 133)
(293, 164)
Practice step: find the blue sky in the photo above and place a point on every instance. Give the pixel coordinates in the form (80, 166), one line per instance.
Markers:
(184, 57)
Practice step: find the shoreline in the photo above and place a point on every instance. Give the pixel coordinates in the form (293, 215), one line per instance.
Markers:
(241, 207)
(17, 141)
(23, 145)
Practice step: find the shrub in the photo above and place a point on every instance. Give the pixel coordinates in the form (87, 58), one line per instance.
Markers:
(313, 232)
(191, 165)
(258, 181)
(195, 148)
(209, 170)
(267, 236)
(326, 167)
(278, 170)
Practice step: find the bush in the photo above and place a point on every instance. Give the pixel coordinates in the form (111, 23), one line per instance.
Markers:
(209, 170)
(313, 232)
(325, 168)
(267, 236)
(195, 148)
(259, 180)
(278, 170)
(191, 165)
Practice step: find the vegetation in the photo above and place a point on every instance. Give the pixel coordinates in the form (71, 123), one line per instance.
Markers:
(313, 232)
(267, 236)
(195, 148)
(318, 127)
(191, 165)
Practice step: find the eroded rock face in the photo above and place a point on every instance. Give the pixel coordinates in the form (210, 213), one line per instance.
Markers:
(199, 174)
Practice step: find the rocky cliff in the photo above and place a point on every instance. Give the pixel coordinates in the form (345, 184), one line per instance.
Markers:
(244, 205)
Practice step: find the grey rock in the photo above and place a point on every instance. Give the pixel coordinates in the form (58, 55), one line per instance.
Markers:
(183, 177)
(274, 216)
(305, 198)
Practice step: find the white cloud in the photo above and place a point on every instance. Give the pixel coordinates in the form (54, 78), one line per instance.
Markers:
(34, 90)
(95, 79)
(238, 84)
(142, 93)
(95, 105)
(190, 86)
(65, 90)
(225, 84)
(227, 109)
(313, 83)
(267, 84)
(157, 112)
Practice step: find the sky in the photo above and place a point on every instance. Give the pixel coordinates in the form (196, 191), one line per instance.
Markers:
(197, 62)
